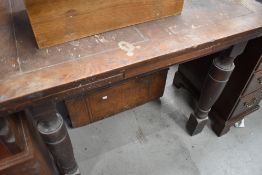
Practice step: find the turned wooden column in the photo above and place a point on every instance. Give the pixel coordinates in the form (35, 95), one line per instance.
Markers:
(51, 127)
(215, 82)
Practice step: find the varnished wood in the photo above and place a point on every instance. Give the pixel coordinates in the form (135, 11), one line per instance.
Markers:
(32, 158)
(55, 22)
(8, 137)
(99, 104)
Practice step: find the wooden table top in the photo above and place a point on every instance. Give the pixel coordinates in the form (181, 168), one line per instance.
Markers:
(28, 74)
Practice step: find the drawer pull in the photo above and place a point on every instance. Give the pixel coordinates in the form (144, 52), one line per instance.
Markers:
(259, 81)
(250, 104)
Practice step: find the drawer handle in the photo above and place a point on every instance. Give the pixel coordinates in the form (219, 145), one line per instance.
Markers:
(259, 81)
(250, 104)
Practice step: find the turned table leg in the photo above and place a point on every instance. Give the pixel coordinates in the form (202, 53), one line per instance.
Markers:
(51, 127)
(214, 84)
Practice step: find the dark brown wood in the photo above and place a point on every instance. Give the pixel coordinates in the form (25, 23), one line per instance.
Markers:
(51, 127)
(8, 136)
(216, 80)
(247, 102)
(32, 157)
(49, 74)
(260, 65)
(241, 94)
(255, 83)
(99, 104)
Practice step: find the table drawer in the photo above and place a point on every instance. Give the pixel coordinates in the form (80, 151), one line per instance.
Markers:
(255, 83)
(102, 103)
(247, 103)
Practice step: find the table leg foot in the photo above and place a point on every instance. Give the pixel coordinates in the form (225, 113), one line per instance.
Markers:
(220, 129)
(195, 125)
(213, 86)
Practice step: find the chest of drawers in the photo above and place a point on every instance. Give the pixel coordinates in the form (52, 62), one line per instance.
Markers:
(241, 95)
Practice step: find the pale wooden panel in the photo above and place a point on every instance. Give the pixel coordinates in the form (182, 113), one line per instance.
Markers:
(59, 21)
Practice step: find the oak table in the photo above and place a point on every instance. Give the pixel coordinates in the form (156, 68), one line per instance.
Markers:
(35, 80)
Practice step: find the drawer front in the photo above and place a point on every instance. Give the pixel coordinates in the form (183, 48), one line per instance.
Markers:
(247, 103)
(255, 83)
(102, 103)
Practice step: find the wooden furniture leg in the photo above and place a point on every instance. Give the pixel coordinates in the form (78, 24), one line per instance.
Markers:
(7, 136)
(215, 82)
(51, 127)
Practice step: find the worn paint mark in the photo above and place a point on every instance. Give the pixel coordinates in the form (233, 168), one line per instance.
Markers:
(75, 43)
(171, 30)
(128, 47)
(58, 49)
(194, 27)
(101, 39)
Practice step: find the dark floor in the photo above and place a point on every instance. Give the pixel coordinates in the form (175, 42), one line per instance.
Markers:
(151, 140)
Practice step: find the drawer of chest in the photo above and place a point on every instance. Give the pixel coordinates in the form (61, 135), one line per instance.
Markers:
(248, 103)
(255, 83)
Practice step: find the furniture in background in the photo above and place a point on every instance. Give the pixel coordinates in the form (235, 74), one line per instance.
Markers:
(39, 81)
(242, 93)
(21, 150)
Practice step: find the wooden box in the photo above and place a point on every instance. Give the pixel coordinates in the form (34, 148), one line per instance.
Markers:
(59, 21)
(102, 103)
(21, 150)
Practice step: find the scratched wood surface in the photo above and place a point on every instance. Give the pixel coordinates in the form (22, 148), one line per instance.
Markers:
(56, 22)
(28, 74)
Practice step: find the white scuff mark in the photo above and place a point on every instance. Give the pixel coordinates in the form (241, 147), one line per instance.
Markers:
(128, 47)
(169, 33)
(75, 43)
(96, 40)
(171, 30)
(100, 38)
(47, 51)
(113, 38)
(194, 27)
(104, 98)
(58, 49)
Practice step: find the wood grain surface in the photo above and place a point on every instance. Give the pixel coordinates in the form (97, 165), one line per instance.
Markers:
(59, 21)
(28, 75)
(102, 103)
